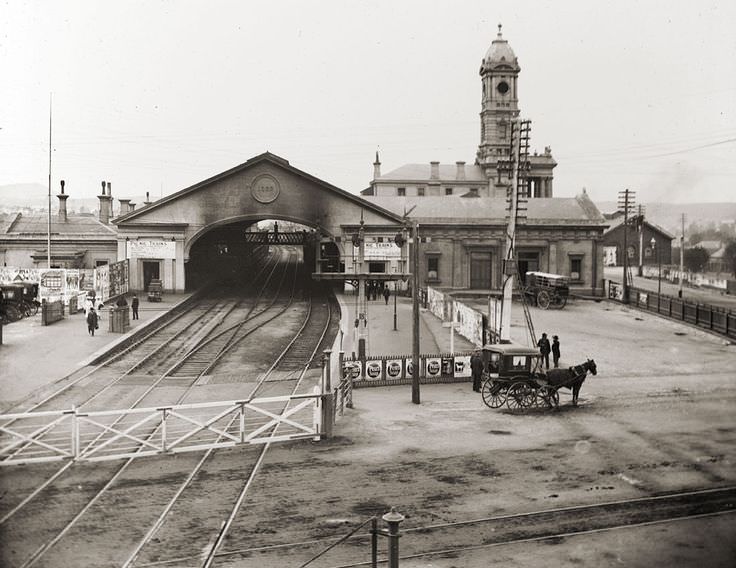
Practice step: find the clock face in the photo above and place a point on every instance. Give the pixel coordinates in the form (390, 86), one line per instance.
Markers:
(503, 87)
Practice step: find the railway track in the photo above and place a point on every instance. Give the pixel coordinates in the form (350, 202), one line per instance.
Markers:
(106, 477)
(552, 524)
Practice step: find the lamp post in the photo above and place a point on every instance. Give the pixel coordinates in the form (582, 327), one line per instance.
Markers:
(655, 249)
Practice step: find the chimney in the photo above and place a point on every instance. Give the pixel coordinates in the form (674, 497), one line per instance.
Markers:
(105, 204)
(147, 201)
(131, 207)
(460, 170)
(376, 167)
(62, 203)
(124, 206)
(434, 170)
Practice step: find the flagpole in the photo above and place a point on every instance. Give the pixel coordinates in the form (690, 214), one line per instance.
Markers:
(48, 243)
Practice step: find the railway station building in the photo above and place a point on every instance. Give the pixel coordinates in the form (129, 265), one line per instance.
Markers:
(211, 228)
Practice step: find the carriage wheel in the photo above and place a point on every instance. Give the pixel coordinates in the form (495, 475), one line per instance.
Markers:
(548, 397)
(493, 393)
(543, 300)
(560, 303)
(520, 395)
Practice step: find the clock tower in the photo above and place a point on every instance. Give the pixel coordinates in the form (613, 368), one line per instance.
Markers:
(499, 74)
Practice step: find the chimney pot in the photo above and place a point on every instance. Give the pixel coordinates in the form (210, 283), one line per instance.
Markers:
(62, 186)
(103, 188)
(109, 188)
(434, 170)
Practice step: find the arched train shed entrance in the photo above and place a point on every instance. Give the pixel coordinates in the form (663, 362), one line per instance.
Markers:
(210, 228)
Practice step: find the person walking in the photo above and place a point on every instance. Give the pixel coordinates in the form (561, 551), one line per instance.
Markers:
(386, 294)
(92, 321)
(556, 351)
(476, 369)
(134, 304)
(544, 349)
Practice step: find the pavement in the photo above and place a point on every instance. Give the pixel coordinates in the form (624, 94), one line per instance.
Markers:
(33, 356)
(382, 339)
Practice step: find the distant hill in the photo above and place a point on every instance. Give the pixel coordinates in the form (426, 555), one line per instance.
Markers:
(35, 196)
(668, 215)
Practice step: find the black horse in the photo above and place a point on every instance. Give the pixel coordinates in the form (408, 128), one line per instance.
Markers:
(572, 378)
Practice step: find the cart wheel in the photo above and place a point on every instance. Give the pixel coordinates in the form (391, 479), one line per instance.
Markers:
(543, 300)
(493, 393)
(562, 302)
(520, 395)
(548, 397)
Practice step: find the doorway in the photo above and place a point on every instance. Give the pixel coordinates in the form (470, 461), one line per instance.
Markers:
(480, 270)
(151, 271)
(527, 262)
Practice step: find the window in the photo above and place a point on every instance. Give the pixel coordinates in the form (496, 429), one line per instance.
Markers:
(420, 191)
(376, 267)
(576, 268)
(433, 267)
(400, 191)
(448, 191)
(100, 263)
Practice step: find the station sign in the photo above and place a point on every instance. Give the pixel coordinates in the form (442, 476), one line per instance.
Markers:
(158, 249)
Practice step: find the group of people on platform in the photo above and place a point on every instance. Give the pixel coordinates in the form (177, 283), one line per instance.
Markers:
(93, 316)
(375, 289)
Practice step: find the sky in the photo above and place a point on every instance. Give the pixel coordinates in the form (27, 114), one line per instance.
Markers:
(159, 95)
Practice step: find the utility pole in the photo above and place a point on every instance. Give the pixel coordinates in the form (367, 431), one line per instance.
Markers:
(415, 312)
(640, 225)
(682, 256)
(626, 201)
(519, 130)
(48, 234)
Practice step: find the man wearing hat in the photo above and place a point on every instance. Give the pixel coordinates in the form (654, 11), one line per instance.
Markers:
(556, 350)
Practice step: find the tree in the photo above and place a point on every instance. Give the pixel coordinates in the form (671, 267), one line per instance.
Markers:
(729, 256)
(696, 258)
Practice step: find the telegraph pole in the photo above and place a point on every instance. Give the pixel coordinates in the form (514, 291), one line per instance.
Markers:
(519, 130)
(625, 200)
(415, 312)
(48, 234)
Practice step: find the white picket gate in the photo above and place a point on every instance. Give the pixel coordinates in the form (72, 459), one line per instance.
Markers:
(37, 437)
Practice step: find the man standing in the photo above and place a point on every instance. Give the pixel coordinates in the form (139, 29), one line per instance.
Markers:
(91, 321)
(556, 351)
(544, 349)
(386, 294)
(134, 305)
(476, 369)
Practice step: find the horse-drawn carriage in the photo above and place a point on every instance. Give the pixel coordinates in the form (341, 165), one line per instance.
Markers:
(546, 290)
(515, 378)
(18, 300)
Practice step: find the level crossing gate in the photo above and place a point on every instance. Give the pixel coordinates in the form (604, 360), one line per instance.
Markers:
(88, 436)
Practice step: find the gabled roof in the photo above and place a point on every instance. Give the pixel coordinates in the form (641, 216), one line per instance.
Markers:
(265, 157)
(36, 224)
(617, 221)
(484, 210)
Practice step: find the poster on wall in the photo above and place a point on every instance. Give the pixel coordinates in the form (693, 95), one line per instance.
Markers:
(462, 366)
(9, 275)
(352, 369)
(118, 278)
(433, 367)
(448, 367)
(374, 370)
(51, 285)
(394, 368)
(409, 365)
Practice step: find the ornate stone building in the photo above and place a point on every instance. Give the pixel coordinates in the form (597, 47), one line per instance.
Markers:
(462, 209)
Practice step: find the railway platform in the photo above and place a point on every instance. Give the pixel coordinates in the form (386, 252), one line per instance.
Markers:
(33, 355)
(382, 339)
